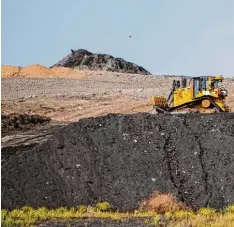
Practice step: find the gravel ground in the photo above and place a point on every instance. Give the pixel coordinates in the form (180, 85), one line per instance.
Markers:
(138, 85)
(100, 93)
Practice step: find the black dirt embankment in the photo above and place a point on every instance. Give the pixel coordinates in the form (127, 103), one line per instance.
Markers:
(80, 58)
(96, 222)
(18, 122)
(122, 159)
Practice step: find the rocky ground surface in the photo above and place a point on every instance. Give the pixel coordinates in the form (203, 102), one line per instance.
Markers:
(84, 58)
(122, 159)
(95, 222)
(99, 93)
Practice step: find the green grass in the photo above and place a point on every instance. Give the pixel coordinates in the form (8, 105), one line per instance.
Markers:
(103, 206)
(205, 217)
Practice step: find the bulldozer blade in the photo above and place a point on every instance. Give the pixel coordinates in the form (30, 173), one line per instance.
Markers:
(159, 101)
(159, 104)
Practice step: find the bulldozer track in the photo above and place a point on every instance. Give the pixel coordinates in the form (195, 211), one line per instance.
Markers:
(194, 102)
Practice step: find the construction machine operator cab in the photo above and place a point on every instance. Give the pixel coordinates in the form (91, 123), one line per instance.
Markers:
(200, 84)
(207, 84)
(216, 84)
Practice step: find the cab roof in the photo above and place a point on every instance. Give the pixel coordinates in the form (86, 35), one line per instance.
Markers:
(211, 77)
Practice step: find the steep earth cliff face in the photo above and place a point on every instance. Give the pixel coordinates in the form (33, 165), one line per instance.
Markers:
(123, 159)
(93, 61)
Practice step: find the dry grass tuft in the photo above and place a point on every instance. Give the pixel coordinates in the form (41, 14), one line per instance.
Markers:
(162, 203)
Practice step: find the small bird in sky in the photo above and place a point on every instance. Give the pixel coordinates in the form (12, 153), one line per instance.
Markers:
(130, 36)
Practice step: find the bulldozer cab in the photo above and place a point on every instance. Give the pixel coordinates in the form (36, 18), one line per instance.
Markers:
(205, 84)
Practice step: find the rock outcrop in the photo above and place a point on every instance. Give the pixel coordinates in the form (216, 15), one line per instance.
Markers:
(80, 58)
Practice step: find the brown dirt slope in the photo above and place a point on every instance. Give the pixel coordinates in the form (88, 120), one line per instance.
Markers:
(39, 71)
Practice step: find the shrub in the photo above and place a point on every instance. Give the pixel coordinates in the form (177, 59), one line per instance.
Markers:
(8, 222)
(206, 211)
(27, 209)
(184, 214)
(82, 209)
(103, 206)
(229, 209)
(42, 212)
(4, 213)
(162, 203)
(16, 213)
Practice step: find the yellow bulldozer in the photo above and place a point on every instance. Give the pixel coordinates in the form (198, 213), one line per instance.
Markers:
(203, 94)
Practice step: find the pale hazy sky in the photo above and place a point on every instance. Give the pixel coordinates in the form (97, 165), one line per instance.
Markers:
(186, 37)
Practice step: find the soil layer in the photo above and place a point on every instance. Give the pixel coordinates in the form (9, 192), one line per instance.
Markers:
(122, 159)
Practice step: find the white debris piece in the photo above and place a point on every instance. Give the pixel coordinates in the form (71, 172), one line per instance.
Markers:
(125, 136)
(153, 179)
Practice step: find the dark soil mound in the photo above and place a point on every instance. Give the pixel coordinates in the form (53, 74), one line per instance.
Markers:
(122, 159)
(99, 61)
(13, 122)
(97, 222)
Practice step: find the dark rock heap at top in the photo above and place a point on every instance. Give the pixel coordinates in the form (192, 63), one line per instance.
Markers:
(105, 62)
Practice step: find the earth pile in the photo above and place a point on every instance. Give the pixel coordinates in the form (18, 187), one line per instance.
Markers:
(84, 58)
(14, 122)
(122, 159)
(39, 71)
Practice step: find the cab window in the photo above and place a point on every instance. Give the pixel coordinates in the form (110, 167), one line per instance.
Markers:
(216, 84)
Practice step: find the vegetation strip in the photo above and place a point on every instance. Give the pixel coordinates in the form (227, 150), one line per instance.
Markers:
(27, 216)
